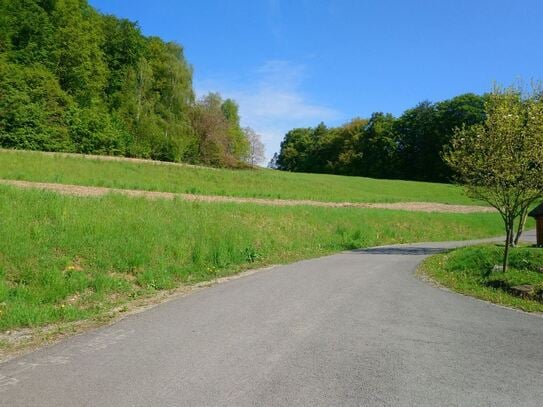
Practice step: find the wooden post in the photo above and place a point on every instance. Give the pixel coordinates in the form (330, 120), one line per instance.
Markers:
(539, 230)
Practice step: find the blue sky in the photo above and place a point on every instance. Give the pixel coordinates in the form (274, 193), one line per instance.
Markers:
(294, 63)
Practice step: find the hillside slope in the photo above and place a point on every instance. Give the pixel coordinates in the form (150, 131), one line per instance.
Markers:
(258, 183)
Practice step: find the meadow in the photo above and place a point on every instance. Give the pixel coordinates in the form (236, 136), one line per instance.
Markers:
(66, 258)
(257, 183)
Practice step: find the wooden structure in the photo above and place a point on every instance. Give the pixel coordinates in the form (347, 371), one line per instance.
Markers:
(537, 213)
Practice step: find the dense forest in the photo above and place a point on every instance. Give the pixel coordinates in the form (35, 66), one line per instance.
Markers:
(383, 146)
(75, 80)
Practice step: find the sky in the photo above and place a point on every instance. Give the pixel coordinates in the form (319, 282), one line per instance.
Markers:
(295, 63)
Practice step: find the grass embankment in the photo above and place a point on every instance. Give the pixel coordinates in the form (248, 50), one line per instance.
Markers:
(258, 183)
(66, 258)
(470, 271)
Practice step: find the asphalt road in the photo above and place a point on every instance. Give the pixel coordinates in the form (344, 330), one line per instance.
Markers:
(356, 328)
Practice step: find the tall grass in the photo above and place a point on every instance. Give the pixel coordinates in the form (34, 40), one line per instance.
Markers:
(65, 258)
(33, 166)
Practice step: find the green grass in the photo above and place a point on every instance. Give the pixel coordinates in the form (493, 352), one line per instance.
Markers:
(66, 258)
(470, 271)
(261, 183)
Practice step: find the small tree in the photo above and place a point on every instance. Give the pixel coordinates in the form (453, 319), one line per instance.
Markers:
(211, 127)
(273, 162)
(501, 160)
(256, 147)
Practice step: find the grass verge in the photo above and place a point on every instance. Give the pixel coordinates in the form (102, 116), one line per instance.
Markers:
(66, 258)
(470, 271)
(258, 183)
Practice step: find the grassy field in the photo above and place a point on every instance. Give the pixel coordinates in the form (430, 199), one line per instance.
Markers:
(67, 258)
(261, 183)
(470, 271)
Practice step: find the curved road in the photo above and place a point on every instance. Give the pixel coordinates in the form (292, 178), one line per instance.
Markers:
(356, 328)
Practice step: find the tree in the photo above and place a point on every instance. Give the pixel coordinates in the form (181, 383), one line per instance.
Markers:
(295, 150)
(377, 147)
(350, 157)
(325, 149)
(256, 148)
(534, 128)
(123, 49)
(212, 127)
(500, 160)
(32, 109)
(81, 68)
(27, 34)
(272, 165)
(419, 144)
(467, 109)
(238, 144)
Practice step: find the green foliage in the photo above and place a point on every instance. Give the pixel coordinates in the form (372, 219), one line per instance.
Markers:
(76, 80)
(94, 131)
(33, 109)
(69, 258)
(80, 68)
(238, 143)
(27, 34)
(221, 141)
(295, 149)
(499, 161)
(471, 271)
(377, 146)
(420, 144)
(123, 50)
(408, 147)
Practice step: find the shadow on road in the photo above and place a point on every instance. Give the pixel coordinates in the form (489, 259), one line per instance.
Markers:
(408, 251)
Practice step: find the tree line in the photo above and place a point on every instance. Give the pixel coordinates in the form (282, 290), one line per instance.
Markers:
(407, 147)
(75, 80)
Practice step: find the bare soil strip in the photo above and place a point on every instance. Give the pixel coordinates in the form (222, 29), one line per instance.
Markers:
(79, 190)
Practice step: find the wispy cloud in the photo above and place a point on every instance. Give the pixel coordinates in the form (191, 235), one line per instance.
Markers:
(271, 100)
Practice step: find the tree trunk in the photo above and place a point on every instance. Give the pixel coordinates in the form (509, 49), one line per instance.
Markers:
(509, 229)
(512, 238)
(521, 224)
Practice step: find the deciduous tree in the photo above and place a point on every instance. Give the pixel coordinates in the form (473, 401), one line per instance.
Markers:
(500, 161)
(256, 147)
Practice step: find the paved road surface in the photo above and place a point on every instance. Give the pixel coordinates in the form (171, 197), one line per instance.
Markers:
(356, 328)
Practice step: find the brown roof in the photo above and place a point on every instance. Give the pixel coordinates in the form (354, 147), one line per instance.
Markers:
(537, 211)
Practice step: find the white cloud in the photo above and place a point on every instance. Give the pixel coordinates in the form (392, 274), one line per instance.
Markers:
(271, 101)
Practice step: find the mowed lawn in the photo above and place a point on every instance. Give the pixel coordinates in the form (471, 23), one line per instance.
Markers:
(259, 183)
(65, 258)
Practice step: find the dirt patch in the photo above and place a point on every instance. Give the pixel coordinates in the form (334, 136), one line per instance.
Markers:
(79, 190)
